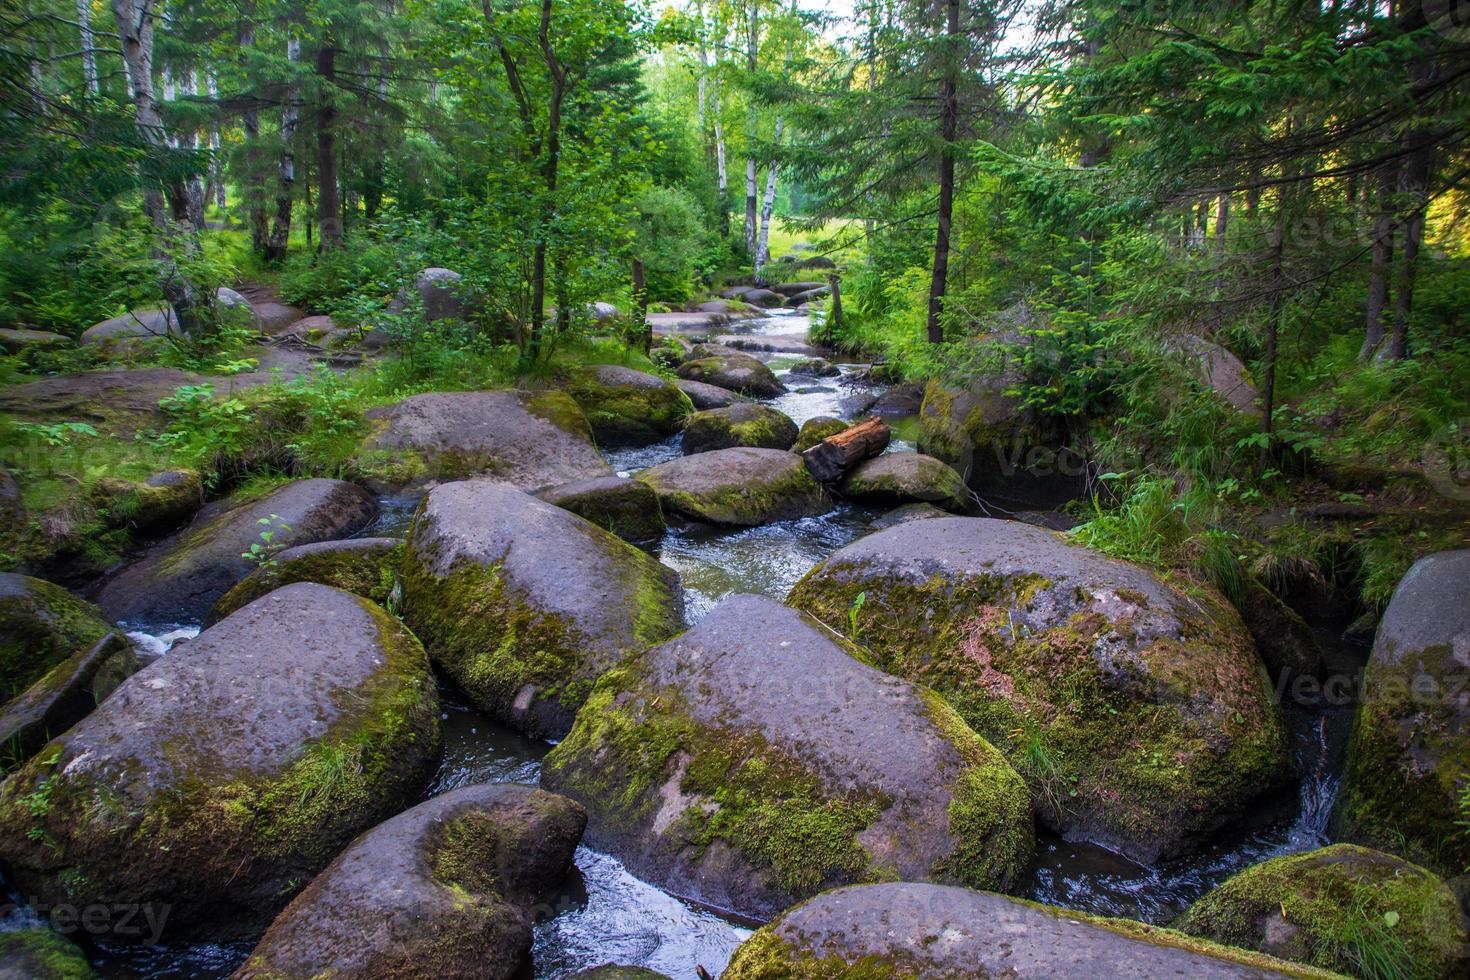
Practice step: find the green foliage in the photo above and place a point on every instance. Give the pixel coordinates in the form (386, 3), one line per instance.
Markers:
(670, 238)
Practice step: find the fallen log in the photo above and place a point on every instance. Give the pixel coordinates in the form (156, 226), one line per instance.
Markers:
(829, 459)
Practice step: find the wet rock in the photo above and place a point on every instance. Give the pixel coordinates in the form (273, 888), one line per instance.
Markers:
(40, 954)
(612, 971)
(740, 486)
(62, 697)
(525, 438)
(525, 604)
(447, 889)
(814, 430)
(162, 502)
(216, 781)
(764, 298)
(1311, 907)
(856, 403)
(41, 626)
(1410, 751)
(180, 578)
(705, 397)
(815, 367)
(363, 566)
(900, 400)
(113, 402)
(901, 478)
(754, 425)
(133, 329)
(938, 932)
(802, 300)
(1142, 717)
(623, 506)
(18, 340)
(735, 372)
(1285, 641)
(797, 288)
(627, 407)
(753, 762)
(906, 513)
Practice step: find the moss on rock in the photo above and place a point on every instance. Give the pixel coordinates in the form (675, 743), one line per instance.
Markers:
(40, 954)
(815, 430)
(759, 426)
(741, 486)
(628, 407)
(41, 625)
(363, 566)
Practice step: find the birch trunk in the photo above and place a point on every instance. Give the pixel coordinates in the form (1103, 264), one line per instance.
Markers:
(763, 246)
(89, 45)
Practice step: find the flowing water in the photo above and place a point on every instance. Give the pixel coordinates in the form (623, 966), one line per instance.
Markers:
(608, 915)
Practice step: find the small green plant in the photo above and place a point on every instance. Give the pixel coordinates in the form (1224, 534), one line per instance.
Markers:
(263, 552)
(852, 615)
(57, 434)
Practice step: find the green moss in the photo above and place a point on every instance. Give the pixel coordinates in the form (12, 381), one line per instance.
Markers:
(793, 494)
(371, 574)
(628, 413)
(40, 954)
(1341, 908)
(560, 410)
(39, 629)
(766, 956)
(815, 430)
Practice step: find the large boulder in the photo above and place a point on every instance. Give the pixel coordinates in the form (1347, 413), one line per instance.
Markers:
(814, 430)
(64, 696)
(1220, 371)
(162, 502)
(1140, 715)
(181, 577)
(938, 932)
(741, 486)
(363, 566)
(216, 781)
(1329, 907)
(618, 504)
(750, 424)
(905, 478)
(530, 439)
(1286, 643)
(1409, 758)
(733, 371)
(628, 407)
(442, 293)
(446, 889)
(114, 402)
(41, 954)
(525, 604)
(763, 298)
(754, 761)
(132, 329)
(815, 367)
(235, 310)
(704, 396)
(20, 340)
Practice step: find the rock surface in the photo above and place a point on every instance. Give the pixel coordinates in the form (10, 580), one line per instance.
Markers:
(1316, 907)
(758, 426)
(446, 889)
(1410, 751)
(363, 566)
(705, 396)
(814, 430)
(742, 486)
(905, 478)
(63, 697)
(525, 604)
(752, 762)
(734, 371)
(113, 402)
(936, 932)
(618, 504)
(528, 439)
(132, 329)
(1141, 716)
(181, 577)
(1220, 371)
(40, 954)
(41, 626)
(220, 778)
(627, 407)
(17, 340)
(162, 502)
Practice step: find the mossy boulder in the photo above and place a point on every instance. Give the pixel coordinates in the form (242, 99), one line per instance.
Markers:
(734, 371)
(906, 478)
(1139, 713)
(183, 576)
(759, 426)
(446, 889)
(1286, 643)
(815, 367)
(1342, 908)
(753, 761)
(814, 430)
(627, 407)
(1409, 757)
(21, 340)
(529, 439)
(132, 330)
(613, 971)
(62, 697)
(525, 604)
(40, 954)
(938, 932)
(905, 513)
(618, 504)
(214, 783)
(740, 486)
(705, 397)
(162, 502)
(363, 566)
(41, 625)
(118, 403)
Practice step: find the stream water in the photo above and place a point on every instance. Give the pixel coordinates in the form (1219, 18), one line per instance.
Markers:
(608, 915)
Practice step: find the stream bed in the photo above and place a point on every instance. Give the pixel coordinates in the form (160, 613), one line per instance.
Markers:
(607, 915)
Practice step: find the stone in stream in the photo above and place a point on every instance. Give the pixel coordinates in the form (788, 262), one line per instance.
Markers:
(41, 954)
(218, 780)
(763, 298)
(446, 889)
(705, 396)
(64, 696)
(1285, 641)
(740, 486)
(363, 566)
(907, 512)
(529, 439)
(627, 407)
(162, 502)
(753, 762)
(618, 504)
(837, 454)
(1409, 757)
(180, 578)
(751, 424)
(612, 971)
(938, 932)
(815, 367)
(802, 300)
(734, 371)
(814, 430)
(901, 478)
(1326, 907)
(789, 289)
(1139, 712)
(525, 604)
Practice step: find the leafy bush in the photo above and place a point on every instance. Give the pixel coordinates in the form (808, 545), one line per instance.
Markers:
(670, 238)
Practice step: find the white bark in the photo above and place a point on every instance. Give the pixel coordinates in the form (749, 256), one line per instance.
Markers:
(89, 45)
(763, 247)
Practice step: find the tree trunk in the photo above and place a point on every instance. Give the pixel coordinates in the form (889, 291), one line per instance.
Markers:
(768, 205)
(328, 194)
(89, 46)
(829, 459)
(834, 308)
(254, 183)
(752, 43)
(1414, 186)
(1383, 233)
(194, 188)
(1273, 330)
(640, 307)
(286, 168)
(948, 130)
(721, 169)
